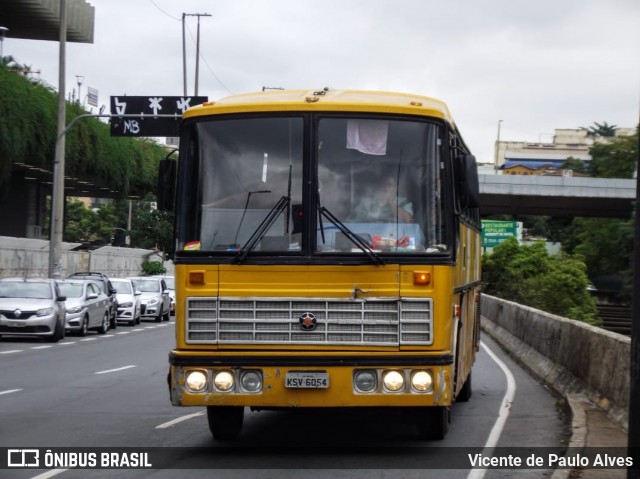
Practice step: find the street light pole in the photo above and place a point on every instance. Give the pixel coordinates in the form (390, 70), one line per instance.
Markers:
(79, 79)
(497, 148)
(184, 58)
(57, 196)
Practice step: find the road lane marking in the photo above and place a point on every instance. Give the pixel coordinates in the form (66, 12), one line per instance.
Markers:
(48, 474)
(116, 369)
(9, 391)
(67, 343)
(503, 412)
(180, 419)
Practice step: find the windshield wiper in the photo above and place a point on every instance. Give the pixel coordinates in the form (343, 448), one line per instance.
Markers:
(354, 238)
(262, 228)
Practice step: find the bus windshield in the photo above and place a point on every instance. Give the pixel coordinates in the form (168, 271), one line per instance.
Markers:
(372, 185)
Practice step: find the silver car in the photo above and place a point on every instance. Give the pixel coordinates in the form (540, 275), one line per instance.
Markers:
(170, 281)
(31, 307)
(87, 306)
(155, 302)
(128, 301)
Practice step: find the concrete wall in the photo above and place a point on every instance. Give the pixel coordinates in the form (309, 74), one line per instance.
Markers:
(570, 356)
(30, 257)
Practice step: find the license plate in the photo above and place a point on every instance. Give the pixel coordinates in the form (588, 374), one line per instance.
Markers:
(17, 324)
(307, 380)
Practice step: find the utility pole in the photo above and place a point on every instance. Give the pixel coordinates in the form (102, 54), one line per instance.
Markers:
(184, 51)
(633, 472)
(57, 196)
(184, 58)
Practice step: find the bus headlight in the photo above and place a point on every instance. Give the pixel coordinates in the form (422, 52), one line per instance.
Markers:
(393, 380)
(365, 381)
(251, 381)
(196, 380)
(421, 380)
(223, 380)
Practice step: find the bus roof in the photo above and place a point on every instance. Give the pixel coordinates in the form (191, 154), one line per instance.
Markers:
(325, 100)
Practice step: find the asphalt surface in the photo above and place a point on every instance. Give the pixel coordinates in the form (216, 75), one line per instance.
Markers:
(109, 391)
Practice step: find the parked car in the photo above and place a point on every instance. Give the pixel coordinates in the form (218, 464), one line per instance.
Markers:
(106, 287)
(154, 298)
(128, 301)
(87, 306)
(170, 281)
(31, 307)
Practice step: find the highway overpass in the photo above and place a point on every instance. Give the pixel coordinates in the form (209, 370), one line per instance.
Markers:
(556, 196)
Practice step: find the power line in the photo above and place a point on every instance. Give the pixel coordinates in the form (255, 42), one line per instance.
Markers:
(167, 14)
(209, 66)
(200, 55)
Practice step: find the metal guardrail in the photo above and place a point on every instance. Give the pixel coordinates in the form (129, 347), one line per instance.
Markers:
(615, 318)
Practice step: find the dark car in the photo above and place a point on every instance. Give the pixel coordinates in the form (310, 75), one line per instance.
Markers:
(106, 287)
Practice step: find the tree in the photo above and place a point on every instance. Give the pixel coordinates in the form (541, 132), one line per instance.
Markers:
(28, 131)
(152, 228)
(84, 225)
(575, 164)
(602, 129)
(614, 159)
(529, 275)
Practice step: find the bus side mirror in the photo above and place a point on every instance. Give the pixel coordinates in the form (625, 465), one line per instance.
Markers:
(467, 177)
(166, 184)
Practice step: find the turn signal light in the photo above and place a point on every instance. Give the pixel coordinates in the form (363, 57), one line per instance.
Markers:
(196, 277)
(421, 277)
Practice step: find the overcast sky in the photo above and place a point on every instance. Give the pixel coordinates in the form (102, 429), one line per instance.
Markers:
(535, 65)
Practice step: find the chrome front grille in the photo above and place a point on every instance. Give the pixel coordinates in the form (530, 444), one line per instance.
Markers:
(339, 322)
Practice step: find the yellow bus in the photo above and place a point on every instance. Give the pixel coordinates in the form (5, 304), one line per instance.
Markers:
(327, 256)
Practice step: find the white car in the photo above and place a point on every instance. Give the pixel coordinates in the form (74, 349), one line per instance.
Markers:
(155, 302)
(87, 306)
(128, 301)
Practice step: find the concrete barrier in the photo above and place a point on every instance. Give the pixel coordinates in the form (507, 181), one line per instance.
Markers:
(569, 356)
(25, 257)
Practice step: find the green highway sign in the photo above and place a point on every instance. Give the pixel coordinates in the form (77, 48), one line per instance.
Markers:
(495, 232)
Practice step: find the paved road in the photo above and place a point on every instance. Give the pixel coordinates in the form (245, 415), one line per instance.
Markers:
(110, 391)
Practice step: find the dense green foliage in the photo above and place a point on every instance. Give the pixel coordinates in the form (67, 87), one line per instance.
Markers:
(152, 268)
(84, 225)
(615, 159)
(529, 275)
(152, 228)
(28, 130)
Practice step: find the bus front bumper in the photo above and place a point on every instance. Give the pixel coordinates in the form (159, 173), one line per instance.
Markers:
(311, 382)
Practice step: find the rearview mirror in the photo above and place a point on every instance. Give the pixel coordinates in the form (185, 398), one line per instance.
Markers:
(467, 181)
(166, 184)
